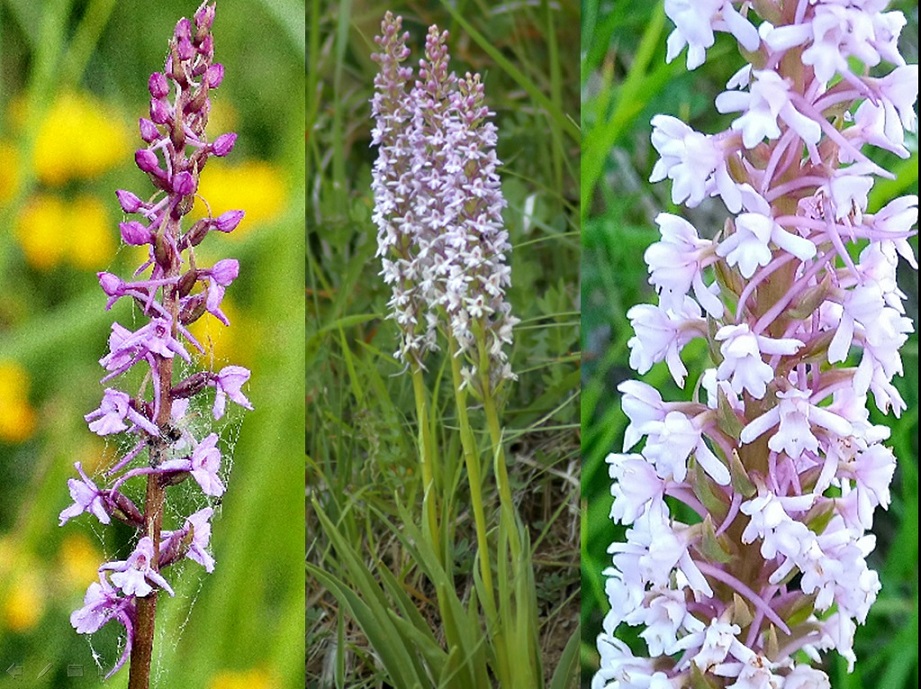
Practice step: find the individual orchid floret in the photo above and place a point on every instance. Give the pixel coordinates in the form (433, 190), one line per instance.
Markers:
(636, 486)
(126, 348)
(661, 334)
(749, 246)
(696, 164)
(228, 383)
(767, 101)
(795, 417)
(190, 541)
(87, 497)
(112, 413)
(695, 23)
(779, 467)
(135, 575)
(101, 604)
(743, 365)
(219, 278)
(671, 441)
(203, 464)
(676, 264)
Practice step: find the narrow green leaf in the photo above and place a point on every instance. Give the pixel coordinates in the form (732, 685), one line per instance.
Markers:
(565, 675)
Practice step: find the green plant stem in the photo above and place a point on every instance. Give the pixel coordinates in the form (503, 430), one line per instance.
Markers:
(427, 459)
(521, 606)
(498, 453)
(475, 478)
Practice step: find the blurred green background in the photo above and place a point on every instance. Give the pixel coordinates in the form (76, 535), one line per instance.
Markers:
(74, 77)
(625, 82)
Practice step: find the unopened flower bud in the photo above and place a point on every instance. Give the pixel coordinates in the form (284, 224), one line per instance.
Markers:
(186, 283)
(177, 132)
(129, 202)
(149, 131)
(193, 309)
(158, 85)
(134, 233)
(223, 144)
(204, 18)
(163, 254)
(185, 49)
(183, 30)
(199, 100)
(111, 284)
(196, 234)
(228, 221)
(146, 160)
(192, 385)
(159, 111)
(215, 75)
(126, 511)
(184, 183)
(206, 50)
(225, 271)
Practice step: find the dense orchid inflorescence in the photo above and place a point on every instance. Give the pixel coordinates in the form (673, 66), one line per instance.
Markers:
(776, 455)
(438, 206)
(176, 292)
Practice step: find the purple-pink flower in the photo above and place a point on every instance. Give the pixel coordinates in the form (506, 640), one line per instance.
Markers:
(204, 464)
(199, 526)
(168, 292)
(112, 413)
(135, 575)
(101, 604)
(438, 208)
(228, 383)
(87, 497)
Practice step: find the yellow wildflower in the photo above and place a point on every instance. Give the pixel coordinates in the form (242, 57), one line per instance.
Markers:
(255, 186)
(41, 229)
(79, 561)
(246, 679)
(24, 602)
(51, 229)
(91, 235)
(9, 171)
(79, 138)
(220, 346)
(17, 422)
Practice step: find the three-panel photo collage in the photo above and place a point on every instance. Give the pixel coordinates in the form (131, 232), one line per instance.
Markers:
(608, 371)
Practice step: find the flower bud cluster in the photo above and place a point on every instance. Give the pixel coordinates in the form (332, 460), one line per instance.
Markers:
(175, 293)
(438, 206)
(776, 454)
